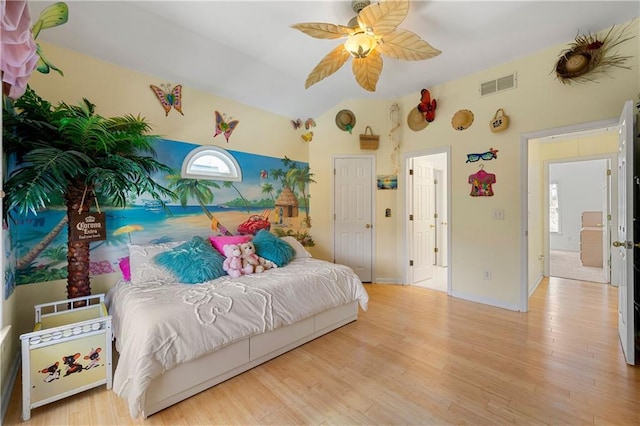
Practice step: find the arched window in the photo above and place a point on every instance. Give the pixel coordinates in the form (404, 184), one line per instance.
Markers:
(211, 162)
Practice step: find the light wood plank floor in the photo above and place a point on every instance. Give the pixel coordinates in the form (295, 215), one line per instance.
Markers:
(420, 357)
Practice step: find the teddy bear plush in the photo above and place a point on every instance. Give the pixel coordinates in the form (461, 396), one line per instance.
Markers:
(233, 260)
(266, 264)
(250, 260)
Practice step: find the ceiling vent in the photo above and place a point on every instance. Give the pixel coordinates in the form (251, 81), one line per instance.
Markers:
(498, 85)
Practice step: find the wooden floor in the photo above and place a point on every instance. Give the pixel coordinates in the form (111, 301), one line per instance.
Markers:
(420, 357)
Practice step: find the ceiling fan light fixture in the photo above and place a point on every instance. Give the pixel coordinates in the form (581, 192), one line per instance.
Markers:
(372, 33)
(359, 45)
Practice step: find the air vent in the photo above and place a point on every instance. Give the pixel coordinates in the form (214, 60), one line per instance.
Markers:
(498, 85)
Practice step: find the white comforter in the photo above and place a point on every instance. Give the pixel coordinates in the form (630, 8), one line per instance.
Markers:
(158, 326)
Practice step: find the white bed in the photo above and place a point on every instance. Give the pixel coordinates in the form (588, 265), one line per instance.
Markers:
(175, 340)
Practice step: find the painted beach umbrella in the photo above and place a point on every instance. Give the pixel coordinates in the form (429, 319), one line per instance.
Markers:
(128, 229)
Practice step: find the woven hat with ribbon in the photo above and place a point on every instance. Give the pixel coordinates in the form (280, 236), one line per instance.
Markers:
(369, 141)
(499, 122)
(345, 120)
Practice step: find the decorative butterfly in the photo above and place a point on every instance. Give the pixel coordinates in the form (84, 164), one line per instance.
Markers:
(296, 124)
(307, 137)
(309, 123)
(169, 98)
(427, 106)
(224, 125)
(53, 16)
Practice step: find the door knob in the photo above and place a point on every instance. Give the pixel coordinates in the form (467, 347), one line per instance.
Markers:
(625, 244)
(367, 226)
(432, 226)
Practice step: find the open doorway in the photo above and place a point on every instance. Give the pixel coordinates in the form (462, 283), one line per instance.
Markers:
(427, 205)
(578, 209)
(571, 143)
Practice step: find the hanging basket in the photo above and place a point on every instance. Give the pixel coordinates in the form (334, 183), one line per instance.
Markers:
(369, 141)
(499, 122)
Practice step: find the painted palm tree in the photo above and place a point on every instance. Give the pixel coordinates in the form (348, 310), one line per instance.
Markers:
(35, 251)
(72, 153)
(301, 177)
(200, 189)
(269, 190)
(229, 184)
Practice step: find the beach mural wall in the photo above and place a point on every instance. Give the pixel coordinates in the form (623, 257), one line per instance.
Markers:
(273, 194)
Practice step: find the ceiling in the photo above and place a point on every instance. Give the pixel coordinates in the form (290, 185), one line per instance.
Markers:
(247, 51)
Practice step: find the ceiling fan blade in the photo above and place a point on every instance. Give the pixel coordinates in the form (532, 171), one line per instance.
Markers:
(328, 65)
(367, 70)
(323, 30)
(383, 17)
(406, 45)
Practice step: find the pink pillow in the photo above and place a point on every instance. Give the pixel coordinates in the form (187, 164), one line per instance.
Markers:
(219, 241)
(125, 268)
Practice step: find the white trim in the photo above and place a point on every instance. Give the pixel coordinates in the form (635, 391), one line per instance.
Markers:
(548, 202)
(235, 174)
(524, 190)
(10, 383)
(381, 280)
(535, 287)
(404, 173)
(485, 301)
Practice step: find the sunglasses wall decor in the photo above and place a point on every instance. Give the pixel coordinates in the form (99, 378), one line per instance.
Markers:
(486, 156)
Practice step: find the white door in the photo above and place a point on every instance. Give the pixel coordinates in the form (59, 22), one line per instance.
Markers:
(422, 220)
(441, 217)
(625, 237)
(606, 223)
(353, 206)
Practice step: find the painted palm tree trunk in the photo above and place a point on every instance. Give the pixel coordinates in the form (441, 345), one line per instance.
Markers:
(26, 260)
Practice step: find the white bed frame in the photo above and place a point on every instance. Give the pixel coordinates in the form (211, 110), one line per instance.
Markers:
(188, 379)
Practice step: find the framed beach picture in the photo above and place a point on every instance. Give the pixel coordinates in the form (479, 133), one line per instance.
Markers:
(387, 182)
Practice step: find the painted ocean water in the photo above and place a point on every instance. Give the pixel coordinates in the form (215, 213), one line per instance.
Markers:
(148, 224)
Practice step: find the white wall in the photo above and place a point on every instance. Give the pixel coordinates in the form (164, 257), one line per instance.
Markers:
(580, 189)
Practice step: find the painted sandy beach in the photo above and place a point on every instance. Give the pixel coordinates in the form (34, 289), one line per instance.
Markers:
(232, 218)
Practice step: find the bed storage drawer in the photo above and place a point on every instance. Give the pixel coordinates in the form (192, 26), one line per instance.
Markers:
(263, 344)
(215, 364)
(69, 351)
(333, 316)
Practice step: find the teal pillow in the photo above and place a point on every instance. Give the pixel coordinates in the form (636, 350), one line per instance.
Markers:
(273, 248)
(194, 261)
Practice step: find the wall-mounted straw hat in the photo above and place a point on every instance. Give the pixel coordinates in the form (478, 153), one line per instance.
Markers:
(345, 120)
(462, 119)
(416, 120)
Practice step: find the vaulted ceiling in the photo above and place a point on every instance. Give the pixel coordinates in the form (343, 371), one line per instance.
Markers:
(247, 50)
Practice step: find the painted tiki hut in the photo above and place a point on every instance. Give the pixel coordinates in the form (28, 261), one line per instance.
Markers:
(288, 202)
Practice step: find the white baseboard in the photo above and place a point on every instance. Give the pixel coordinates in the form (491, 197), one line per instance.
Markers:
(7, 390)
(540, 278)
(386, 281)
(486, 301)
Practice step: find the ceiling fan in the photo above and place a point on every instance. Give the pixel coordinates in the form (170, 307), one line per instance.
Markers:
(374, 31)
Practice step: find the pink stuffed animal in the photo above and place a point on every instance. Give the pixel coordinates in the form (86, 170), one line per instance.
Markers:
(233, 262)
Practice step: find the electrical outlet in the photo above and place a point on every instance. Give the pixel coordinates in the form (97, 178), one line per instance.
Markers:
(486, 275)
(498, 214)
